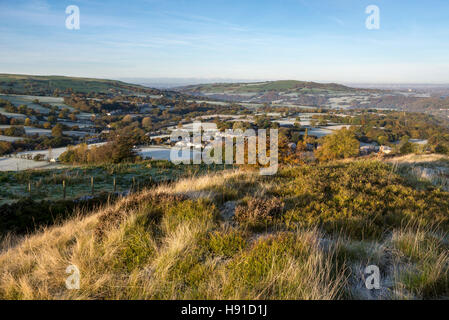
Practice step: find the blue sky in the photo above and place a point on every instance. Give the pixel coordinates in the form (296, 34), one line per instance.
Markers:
(318, 40)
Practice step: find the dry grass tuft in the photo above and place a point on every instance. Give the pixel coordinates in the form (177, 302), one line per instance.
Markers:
(258, 213)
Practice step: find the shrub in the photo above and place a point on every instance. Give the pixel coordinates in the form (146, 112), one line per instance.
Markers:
(407, 148)
(136, 247)
(226, 243)
(258, 213)
(362, 199)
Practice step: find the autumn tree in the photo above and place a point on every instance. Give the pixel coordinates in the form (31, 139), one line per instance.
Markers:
(57, 131)
(340, 145)
(147, 123)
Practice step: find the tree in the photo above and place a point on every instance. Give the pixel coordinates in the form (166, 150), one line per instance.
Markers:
(22, 109)
(52, 119)
(442, 149)
(27, 122)
(5, 147)
(15, 131)
(57, 131)
(122, 149)
(128, 118)
(407, 148)
(339, 145)
(147, 123)
(73, 117)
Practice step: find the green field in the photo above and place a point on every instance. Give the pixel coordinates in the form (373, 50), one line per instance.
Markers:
(48, 184)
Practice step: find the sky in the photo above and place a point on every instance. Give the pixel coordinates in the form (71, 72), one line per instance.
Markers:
(311, 40)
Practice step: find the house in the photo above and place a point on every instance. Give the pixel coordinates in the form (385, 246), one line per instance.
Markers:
(418, 141)
(385, 149)
(368, 148)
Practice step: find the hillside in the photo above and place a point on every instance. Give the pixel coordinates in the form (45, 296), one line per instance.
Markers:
(284, 91)
(278, 86)
(307, 233)
(48, 85)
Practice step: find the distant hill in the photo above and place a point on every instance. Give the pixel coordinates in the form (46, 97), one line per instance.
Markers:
(278, 86)
(48, 85)
(284, 91)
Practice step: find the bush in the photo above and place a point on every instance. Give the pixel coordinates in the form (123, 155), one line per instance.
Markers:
(5, 147)
(362, 199)
(258, 213)
(407, 148)
(15, 131)
(226, 243)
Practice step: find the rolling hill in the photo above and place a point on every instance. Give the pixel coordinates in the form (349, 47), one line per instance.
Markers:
(49, 85)
(284, 91)
(278, 86)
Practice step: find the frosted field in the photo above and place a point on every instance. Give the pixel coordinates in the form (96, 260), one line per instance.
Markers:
(319, 132)
(207, 126)
(292, 121)
(72, 124)
(31, 130)
(10, 139)
(44, 132)
(55, 153)
(338, 127)
(17, 100)
(14, 164)
(12, 115)
(219, 103)
(221, 116)
(26, 100)
(161, 153)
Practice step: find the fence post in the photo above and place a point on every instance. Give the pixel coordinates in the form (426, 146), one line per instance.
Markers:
(63, 189)
(115, 185)
(92, 184)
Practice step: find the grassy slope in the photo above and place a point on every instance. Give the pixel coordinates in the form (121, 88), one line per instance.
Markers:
(307, 233)
(29, 84)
